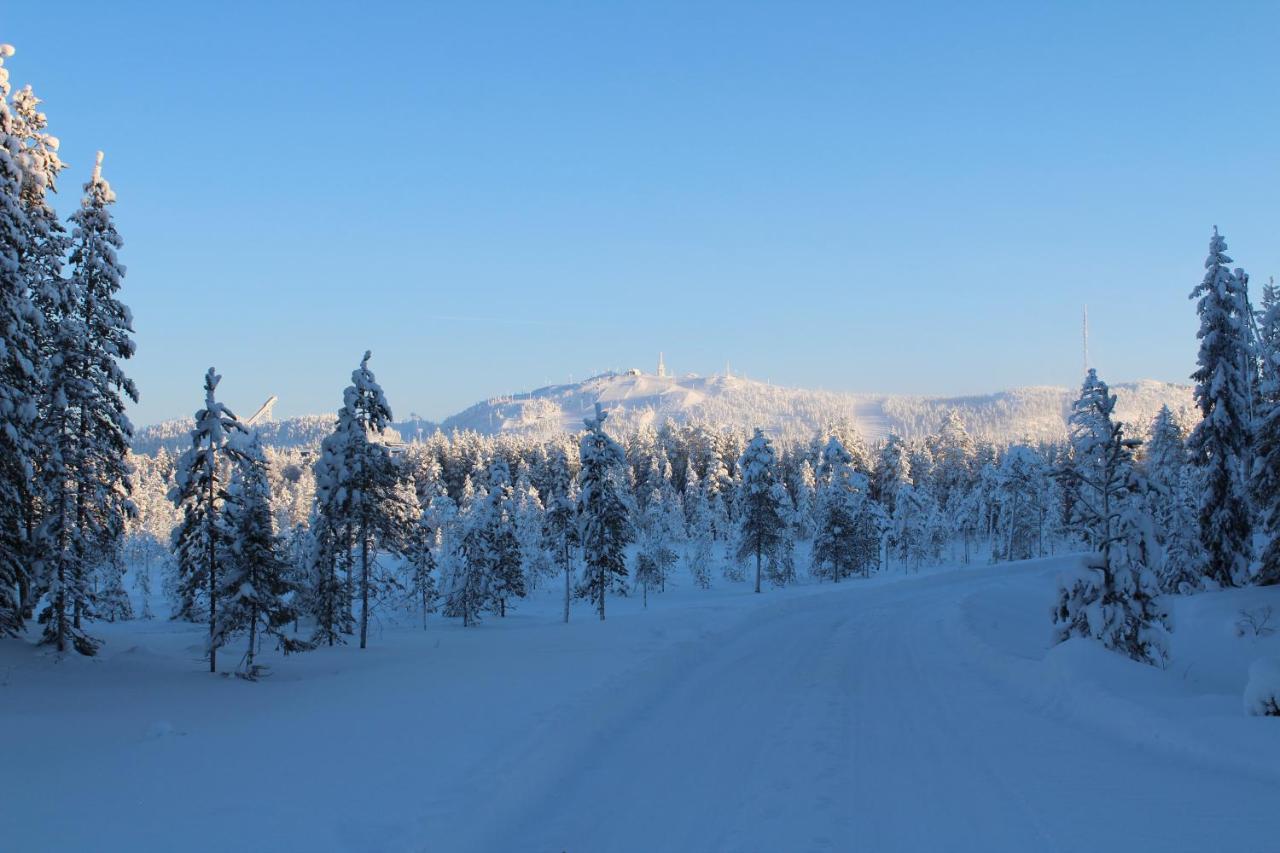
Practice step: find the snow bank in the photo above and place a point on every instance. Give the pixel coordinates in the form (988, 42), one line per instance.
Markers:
(1262, 693)
(1190, 710)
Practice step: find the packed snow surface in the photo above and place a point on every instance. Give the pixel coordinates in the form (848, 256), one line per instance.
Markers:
(919, 713)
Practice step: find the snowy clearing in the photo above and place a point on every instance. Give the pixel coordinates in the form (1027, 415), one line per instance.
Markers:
(916, 713)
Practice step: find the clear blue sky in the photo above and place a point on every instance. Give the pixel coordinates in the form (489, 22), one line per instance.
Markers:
(904, 197)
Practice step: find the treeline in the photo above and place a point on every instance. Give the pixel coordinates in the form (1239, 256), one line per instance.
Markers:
(467, 525)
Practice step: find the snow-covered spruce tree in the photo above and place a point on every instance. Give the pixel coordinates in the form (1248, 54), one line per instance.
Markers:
(761, 524)
(1220, 443)
(1020, 483)
(530, 516)
(892, 472)
(968, 514)
(18, 374)
(142, 583)
(716, 485)
(1113, 596)
(362, 495)
(469, 581)
(110, 599)
(701, 537)
(805, 494)
(1181, 570)
(42, 251)
(1265, 481)
(781, 569)
(329, 547)
(501, 538)
(953, 454)
(200, 482)
(255, 594)
(604, 517)
(1268, 344)
(1171, 499)
(910, 531)
(560, 524)
(420, 551)
(655, 534)
(835, 546)
(84, 433)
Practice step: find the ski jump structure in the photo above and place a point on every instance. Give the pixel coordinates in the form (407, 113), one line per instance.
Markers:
(264, 411)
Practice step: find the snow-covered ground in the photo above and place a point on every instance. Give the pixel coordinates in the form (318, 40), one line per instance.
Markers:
(917, 713)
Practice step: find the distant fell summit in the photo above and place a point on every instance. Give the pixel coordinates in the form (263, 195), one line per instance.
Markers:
(636, 399)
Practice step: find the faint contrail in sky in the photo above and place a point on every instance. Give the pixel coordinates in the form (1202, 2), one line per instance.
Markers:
(510, 321)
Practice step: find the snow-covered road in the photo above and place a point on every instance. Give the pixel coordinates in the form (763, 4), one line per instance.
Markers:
(895, 714)
(855, 720)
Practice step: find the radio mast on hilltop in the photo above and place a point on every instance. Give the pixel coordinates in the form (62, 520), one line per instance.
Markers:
(1084, 338)
(662, 367)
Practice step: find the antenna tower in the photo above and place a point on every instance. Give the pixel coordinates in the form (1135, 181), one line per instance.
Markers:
(1084, 338)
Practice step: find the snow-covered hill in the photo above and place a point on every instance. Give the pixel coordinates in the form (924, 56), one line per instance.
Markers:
(636, 399)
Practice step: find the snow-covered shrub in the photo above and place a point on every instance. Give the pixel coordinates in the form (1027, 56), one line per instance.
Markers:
(1255, 623)
(1118, 608)
(1262, 693)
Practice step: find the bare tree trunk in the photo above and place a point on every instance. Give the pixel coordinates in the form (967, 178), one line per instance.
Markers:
(350, 581)
(213, 571)
(364, 589)
(567, 572)
(253, 638)
(603, 580)
(757, 567)
(60, 607)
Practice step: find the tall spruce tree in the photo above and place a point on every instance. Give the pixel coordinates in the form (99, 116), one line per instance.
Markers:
(953, 455)
(1265, 481)
(761, 525)
(18, 372)
(84, 432)
(42, 253)
(200, 491)
(328, 550)
(469, 581)
(1267, 320)
(655, 536)
(892, 472)
(499, 535)
(357, 489)
(849, 524)
(560, 522)
(602, 509)
(1220, 443)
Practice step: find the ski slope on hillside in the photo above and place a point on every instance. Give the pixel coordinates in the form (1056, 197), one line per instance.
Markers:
(920, 713)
